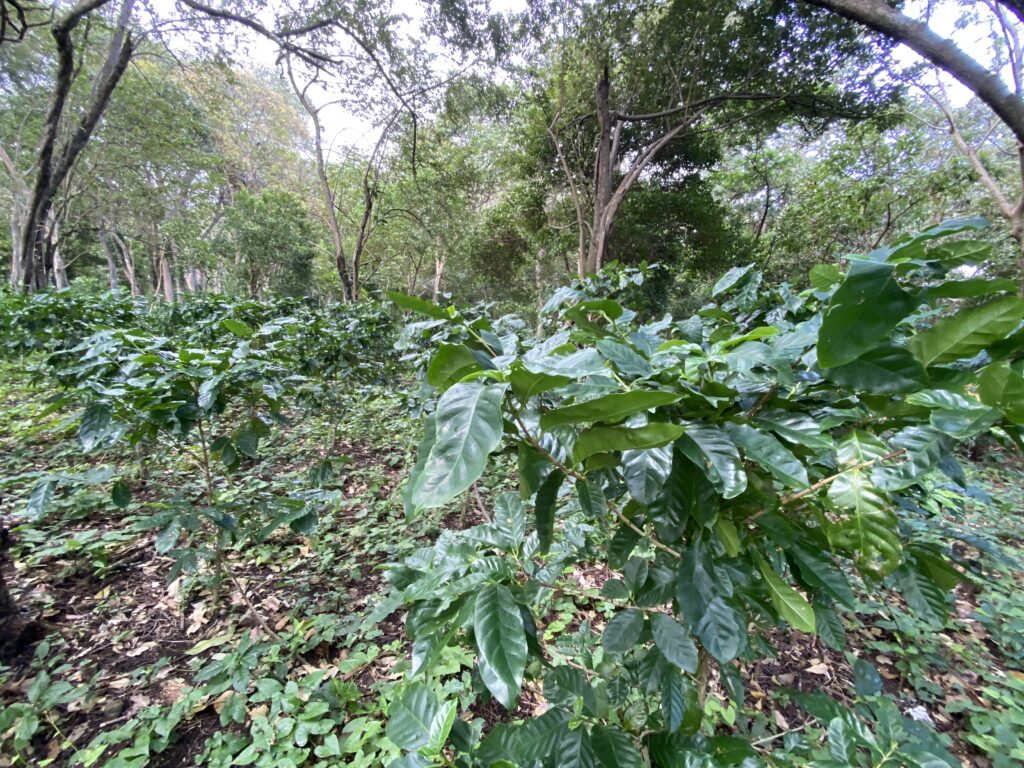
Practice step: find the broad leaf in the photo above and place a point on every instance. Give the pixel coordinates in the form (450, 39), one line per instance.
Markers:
(1002, 386)
(510, 518)
(711, 449)
(721, 631)
(968, 332)
(886, 370)
(695, 583)
(645, 472)
(544, 509)
(674, 642)
(469, 426)
(95, 425)
(795, 428)
(613, 407)
(39, 501)
(418, 305)
(863, 312)
(613, 748)
(763, 448)
(583, 362)
(501, 640)
(628, 362)
(870, 527)
(922, 594)
(451, 362)
(602, 439)
(975, 286)
(411, 716)
(791, 605)
(623, 631)
(824, 276)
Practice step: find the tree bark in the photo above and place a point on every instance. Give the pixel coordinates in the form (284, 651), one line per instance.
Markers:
(128, 260)
(349, 287)
(115, 285)
(603, 169)
(940, 51)
(55, 162)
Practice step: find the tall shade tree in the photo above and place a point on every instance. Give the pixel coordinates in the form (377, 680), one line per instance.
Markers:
(632, 84)
(66, 129)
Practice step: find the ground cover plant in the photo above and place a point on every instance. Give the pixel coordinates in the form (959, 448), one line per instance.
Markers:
(780, 531)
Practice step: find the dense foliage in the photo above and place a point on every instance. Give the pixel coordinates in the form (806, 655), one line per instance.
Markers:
(726, 466)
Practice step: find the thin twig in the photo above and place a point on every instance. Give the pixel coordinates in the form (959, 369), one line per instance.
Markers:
(832, 478)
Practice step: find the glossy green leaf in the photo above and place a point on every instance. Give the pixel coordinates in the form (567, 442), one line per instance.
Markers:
(767, 451)
(645, 472)
(613, 407)
(1002, 386)
(721, 631)
(829, 626)
(41, 498)
(418, 305)
(544, 509)
(237, 327)
(623, 631)
(469, 426)
(869, 527)
(969, 331)
(886, 370)
(674, 642)
(592, 500)
(526, 383)
(95, 425)
(924, 597)
(451, 362)
(972, 288)
(791, 605)
(695, 583)
(121, 494)
(862, 313)
(410, 717)
(795, 428)
(625, 360)
(564, 685)
(730, 279)
(576, 365)
(602, 439)
(711, 449)
(510, 517)
(614, 748)
(501, 641)
(824, 276)
(819, 571)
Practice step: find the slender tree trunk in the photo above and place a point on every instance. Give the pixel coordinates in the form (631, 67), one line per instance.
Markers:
(55, 162)
(603, 170)
(349, 284)
(439, 263)
(128, 260)
(108, 251)
(60, 269)
(166, 278)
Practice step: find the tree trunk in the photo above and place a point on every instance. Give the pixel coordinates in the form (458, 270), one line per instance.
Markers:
(349, 285)
(603, 170)
(128, 260)
(115, 286)
(166, 278)
(439, 264)
(53, 162)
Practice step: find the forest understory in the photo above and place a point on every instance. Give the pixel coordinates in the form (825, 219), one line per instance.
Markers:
(121, 657)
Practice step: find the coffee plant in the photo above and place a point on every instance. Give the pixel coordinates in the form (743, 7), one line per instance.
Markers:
(739, 472)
